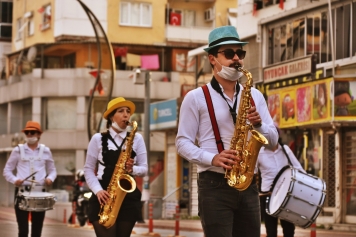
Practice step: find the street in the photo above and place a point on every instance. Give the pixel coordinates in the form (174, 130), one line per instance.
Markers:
(8, 228)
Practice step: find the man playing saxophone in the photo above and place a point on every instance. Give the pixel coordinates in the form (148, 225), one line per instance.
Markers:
(104, 151)
(224, 210)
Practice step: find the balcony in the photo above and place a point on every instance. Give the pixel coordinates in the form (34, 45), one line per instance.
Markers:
(78, 82)
(187, 34)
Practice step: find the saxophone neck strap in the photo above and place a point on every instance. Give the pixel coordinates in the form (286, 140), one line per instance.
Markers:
(113, 141)
(215, 85)
(209, 103)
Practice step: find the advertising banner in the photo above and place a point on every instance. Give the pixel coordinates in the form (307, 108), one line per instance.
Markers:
(314, 102)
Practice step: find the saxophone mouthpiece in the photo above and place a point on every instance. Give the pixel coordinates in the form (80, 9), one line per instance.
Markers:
(238, 67)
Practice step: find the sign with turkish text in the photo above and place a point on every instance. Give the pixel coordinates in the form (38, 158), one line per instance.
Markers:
(287, 70)
(163, 114)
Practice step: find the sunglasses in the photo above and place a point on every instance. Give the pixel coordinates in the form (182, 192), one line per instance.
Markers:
(30, 132)
(230, 54)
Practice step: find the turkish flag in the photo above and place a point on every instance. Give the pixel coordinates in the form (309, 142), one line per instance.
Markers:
(281, 4)
(174, 19)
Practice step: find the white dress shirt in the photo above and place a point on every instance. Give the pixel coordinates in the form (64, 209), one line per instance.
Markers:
(271, 162)
(195, 124)
(94, 153)
(44, 166)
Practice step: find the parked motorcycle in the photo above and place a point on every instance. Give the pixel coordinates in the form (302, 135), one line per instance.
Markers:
(81, 195)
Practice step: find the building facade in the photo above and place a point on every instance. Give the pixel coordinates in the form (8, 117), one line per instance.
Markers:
(52, 67)
(308, 64)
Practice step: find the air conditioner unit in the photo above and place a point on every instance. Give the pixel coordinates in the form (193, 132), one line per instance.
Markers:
(209, 14)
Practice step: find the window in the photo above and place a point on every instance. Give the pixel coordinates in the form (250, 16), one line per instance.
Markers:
(30, 27)
(311, 35)
(46, 17)
(135, 14)
(6, 12)
(5, 30)
(61, 114)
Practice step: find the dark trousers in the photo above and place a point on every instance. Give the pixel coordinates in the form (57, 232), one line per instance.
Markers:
(271, 224)
(37, 219)
(226, 212)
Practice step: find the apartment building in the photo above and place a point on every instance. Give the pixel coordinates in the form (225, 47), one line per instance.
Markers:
(51, 70)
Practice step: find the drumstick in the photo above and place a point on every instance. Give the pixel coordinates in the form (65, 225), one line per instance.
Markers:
(30, 176)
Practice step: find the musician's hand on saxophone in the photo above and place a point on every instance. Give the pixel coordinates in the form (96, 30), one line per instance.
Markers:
(103, 196)
(129, 165)
(254, 117)
(225, 159)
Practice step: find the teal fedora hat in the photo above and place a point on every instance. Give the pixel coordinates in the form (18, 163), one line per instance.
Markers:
(223, 35)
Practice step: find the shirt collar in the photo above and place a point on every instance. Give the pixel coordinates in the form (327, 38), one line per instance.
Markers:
(27, 147)
(113, 133)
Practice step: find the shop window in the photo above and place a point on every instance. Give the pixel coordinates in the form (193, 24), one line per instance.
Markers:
(135, 14)
(61, 114)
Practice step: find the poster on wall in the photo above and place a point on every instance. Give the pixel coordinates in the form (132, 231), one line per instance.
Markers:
(300, 104)
(344, 101)
(309, 103)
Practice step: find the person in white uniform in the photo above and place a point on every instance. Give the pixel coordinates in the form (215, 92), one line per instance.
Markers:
(36, 171)
(270, 162)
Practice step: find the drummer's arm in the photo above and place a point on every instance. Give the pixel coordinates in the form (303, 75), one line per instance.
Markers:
(50, 167)
(11, 166)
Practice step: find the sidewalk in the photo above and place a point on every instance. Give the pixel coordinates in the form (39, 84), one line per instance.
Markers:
(191, 227)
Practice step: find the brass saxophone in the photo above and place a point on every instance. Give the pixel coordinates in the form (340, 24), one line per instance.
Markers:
(241, 174)
(120, 184)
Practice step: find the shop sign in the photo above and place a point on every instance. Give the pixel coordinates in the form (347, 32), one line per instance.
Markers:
(287, 70)
(313, 102)
(163, 114)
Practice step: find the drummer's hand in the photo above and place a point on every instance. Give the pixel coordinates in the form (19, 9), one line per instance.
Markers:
(18, 182)
(48, 182)
(225, 159)
(129, 165)
(103, 196)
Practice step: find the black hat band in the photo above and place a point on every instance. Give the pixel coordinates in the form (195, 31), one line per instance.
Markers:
(222, 40)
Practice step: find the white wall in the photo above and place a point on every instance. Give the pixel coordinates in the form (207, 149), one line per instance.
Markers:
(70, 18)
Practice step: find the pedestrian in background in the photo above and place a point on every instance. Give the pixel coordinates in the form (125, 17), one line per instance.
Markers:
(27, 159)
(270, 162)
(224, 211)
(103, 152)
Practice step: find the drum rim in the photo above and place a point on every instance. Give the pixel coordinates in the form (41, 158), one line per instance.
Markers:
(286, 199)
